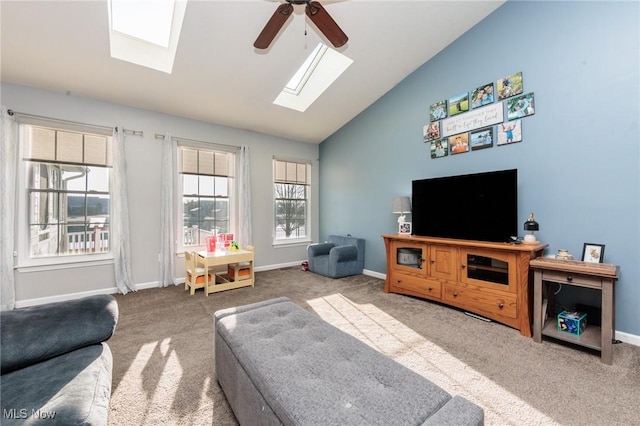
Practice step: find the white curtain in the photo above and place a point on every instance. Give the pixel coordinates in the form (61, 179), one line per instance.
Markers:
(167, 225)
(244, 194)
(8, 173)
(120, 240)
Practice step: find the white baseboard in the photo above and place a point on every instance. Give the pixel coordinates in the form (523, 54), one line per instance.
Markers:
(629, 338)
(114, 290)
(63, 297)
(72, 296)
(374, 274)
(279, 265)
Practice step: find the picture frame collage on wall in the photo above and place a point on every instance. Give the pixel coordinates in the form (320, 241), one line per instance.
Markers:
(472, 121)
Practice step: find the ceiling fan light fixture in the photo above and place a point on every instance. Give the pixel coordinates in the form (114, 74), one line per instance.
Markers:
(316, 13)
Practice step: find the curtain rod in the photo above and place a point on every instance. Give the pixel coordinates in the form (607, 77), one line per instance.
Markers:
(58, 120)
(175, 138)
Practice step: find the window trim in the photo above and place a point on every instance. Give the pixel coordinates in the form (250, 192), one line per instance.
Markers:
(24, 261)
(289, 242)
(180, 248)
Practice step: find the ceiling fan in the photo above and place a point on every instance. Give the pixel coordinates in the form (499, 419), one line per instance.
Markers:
(314, 10)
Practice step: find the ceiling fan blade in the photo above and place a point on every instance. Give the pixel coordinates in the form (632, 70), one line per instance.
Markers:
(270, 31)
(325, 23)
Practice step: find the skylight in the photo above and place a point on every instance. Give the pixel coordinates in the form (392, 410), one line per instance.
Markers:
(295, 85)
(323, 66)
(146, 32)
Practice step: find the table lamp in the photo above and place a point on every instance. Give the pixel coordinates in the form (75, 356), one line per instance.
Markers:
(531, 225)
(401, 205)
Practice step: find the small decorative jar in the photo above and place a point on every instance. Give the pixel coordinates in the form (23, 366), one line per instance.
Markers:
(564, 255)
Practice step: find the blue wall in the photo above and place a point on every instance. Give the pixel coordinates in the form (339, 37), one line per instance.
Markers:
(579, 160)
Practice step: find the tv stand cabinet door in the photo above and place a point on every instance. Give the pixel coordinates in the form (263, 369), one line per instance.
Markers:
(409, 257)
(492, 269)
(443, 261)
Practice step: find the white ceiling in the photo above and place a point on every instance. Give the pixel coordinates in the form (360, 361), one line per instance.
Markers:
(218, 77)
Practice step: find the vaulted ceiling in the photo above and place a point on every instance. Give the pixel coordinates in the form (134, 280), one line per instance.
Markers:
(218, 76)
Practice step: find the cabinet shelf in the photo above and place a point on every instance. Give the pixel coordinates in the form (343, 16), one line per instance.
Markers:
(488, 268)
(590, 338)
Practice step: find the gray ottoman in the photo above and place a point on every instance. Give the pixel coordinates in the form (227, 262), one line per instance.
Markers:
(280, 364)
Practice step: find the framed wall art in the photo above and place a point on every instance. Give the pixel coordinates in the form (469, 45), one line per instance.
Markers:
(459, 143)
(593, 253)
(459, 104)
(510, 86)
(509, 132)
(438, 111)
(431, 131)
(482, 139)
(439, 148)
(520, 106)
(482, 96)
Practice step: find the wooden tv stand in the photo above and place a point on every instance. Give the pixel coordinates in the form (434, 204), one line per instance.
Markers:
(488, 279)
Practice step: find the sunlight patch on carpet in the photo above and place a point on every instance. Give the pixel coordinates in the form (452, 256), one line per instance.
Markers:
(399, 342)
(153, 375)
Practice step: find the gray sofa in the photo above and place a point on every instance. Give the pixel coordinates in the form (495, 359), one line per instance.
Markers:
(340, 256)
(55, 367)
(280, 364)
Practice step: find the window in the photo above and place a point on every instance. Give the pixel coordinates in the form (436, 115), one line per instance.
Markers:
(292, 181)
(66, 179)
(207, 187)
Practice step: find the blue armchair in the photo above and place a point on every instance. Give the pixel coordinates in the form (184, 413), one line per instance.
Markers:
(338, 257)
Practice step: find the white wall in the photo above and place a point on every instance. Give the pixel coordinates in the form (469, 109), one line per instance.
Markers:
(143, 177)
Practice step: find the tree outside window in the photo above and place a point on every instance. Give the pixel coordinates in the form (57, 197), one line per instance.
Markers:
(291, 196)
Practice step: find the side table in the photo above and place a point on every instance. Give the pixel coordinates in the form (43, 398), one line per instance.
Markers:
(600, 276)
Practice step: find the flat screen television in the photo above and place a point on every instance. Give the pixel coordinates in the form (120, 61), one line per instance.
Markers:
(479, 206)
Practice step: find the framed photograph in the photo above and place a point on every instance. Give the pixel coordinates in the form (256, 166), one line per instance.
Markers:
(438, 111)
(482, 96)
(481, 139)
(510, 132)
(431, 131)
(459, 104)
(439, 148)
(459, 143)
(593, 253)
(520, 106)
(510, 86)
(404, 228)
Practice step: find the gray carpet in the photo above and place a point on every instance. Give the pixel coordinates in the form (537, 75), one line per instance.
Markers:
(164, 370)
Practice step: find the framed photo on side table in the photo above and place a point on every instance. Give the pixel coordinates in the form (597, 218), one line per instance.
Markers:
(593, 253)
(404, 228)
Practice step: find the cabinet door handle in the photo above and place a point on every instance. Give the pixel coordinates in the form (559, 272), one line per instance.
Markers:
(569, 277)
(430, 288)
(398, 281)
(455, 294)
(432, 260)
(463, 266)
(500, 305)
